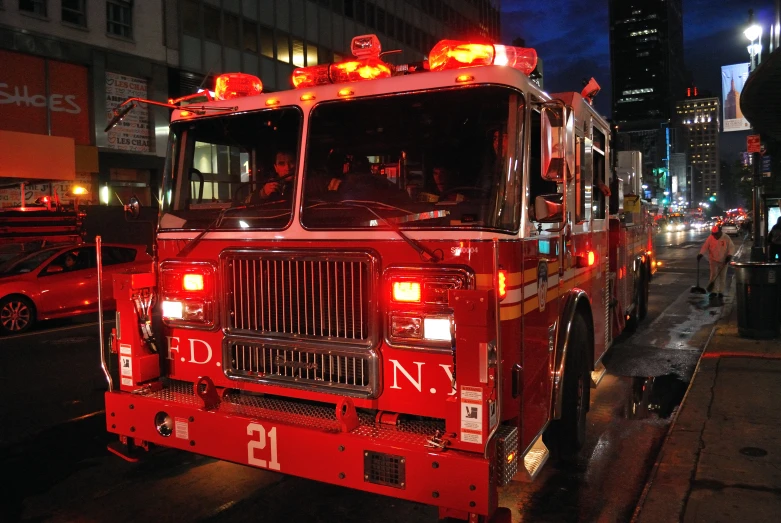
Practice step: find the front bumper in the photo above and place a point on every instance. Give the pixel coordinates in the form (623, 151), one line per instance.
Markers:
(307, 440)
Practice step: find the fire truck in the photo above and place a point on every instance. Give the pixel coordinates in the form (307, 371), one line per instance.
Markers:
(418, 308)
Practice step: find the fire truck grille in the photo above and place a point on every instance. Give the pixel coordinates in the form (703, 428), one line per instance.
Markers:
(300, 294)
(384, 469)
(347, 371)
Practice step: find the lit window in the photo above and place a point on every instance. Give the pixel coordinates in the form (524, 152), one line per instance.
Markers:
(119, 18)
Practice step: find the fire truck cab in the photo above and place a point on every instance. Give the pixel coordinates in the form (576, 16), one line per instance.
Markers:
(396, 279)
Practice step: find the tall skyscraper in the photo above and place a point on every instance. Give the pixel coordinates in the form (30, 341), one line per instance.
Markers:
(698, 115)
(646, 54)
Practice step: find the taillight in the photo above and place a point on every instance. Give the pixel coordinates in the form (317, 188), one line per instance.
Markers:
(501, 283)
(586, 260)
(406, 291)
(188, 291)
(418, 311)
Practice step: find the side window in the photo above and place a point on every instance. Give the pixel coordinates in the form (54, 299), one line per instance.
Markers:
(537, 186)
(117, 255)
(72, 260)
(599, 165)
(585, 178)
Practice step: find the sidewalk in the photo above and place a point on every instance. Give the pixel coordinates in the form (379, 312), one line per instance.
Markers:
(721, 459)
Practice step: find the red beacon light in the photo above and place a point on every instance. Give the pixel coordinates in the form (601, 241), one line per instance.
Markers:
(454, 54)
(366, 65)
(236, 85)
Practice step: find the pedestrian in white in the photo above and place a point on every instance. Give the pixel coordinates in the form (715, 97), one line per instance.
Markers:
(720, 249)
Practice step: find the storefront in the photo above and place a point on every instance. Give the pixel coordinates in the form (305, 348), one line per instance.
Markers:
(52, 90)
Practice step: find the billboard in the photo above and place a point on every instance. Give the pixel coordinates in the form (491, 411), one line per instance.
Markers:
(732, 79)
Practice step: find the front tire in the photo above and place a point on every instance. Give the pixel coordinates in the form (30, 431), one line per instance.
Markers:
(17, 315)
(566, 436)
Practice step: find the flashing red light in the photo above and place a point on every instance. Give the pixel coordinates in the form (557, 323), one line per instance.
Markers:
(192, 282)
(406, 291)
(454, 54)
(591, 258)
(501, 280)
(369, 68)
(237, 85)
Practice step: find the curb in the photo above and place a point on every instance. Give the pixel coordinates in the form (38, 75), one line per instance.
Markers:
(725, 313)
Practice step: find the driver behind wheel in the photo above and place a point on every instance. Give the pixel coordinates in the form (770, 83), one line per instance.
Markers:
(440, 188)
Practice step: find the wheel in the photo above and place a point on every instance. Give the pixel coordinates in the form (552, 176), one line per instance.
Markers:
(565, 437)
(17, 314)
(643, 304)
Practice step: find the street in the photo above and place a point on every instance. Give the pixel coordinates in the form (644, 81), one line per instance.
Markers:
(52, 435)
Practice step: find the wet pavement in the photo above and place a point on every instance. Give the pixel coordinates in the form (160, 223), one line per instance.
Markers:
(63, 473)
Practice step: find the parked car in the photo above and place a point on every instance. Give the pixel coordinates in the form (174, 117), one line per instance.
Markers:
(730, 227)
(61, 281)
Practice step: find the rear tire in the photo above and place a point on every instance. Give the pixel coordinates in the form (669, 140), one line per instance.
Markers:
(566, 436)
(17, 315)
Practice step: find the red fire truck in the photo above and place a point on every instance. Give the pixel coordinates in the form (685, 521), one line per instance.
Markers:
(399, 279)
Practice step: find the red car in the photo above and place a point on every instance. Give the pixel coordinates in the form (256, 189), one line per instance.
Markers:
(61, 281)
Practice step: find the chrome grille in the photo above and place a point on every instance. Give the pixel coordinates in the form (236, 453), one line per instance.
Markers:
(309, 367)
(298, 294)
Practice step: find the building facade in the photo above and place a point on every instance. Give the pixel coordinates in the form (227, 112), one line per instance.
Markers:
(698, 116)
(646, 54)
(269, 38)
(67, 63)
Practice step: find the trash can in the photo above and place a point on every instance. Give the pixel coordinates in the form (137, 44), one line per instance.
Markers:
(758, 299)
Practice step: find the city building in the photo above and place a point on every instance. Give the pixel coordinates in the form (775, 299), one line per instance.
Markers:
(646, 55)
(270, 38)
(698, 116)
(65, 65)
(68, 63)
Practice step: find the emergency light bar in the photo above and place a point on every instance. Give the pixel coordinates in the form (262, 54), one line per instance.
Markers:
(370, 68)
(236, 85)
(454, 54)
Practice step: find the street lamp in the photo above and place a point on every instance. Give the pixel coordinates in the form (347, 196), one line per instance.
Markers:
(754, 34)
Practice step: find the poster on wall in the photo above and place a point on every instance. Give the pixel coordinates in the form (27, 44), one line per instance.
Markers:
(733, 77)
(132, 133)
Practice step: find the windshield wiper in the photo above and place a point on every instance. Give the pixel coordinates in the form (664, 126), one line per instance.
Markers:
(421, 249)
(187, 249)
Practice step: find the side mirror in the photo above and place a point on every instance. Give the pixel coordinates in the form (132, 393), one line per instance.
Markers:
(54, 269)
(548, 208)
(132, 208)
(558, 144)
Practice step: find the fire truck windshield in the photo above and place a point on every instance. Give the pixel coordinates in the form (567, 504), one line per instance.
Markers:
(435, 159)
(243, 161)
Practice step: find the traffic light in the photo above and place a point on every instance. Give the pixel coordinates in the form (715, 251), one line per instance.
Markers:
(712, 198)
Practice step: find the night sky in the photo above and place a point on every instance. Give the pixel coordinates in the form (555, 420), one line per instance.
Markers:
(573, 39)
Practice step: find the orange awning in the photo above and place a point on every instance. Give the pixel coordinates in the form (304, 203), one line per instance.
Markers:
(37, 156)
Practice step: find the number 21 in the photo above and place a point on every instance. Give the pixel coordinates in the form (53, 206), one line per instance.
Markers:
(260, 444)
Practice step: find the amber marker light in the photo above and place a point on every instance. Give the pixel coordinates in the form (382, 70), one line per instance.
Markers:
(272, 101)
(501, 281)
(345, 92)
(463, 78)
(307, 97)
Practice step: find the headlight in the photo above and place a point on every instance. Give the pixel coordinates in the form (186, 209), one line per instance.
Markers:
(418, 312)
(188, 291)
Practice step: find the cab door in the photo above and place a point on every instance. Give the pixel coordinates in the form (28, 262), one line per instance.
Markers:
(541, 262)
